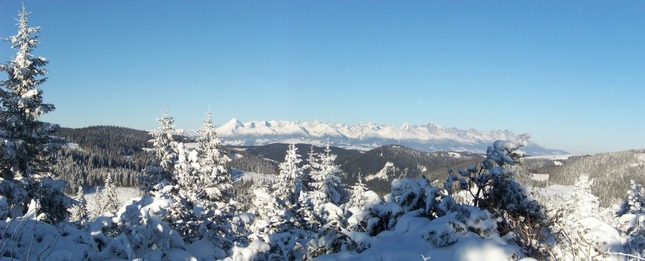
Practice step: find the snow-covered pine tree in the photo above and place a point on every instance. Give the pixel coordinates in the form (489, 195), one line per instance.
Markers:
(79, 212)
(581, 233)
(583, 203)
(186, 172)
(214, 179)
(289, 184)
(27, 145)
(110, 196)
(164, 144)
(314, 184)
(357, 194)
(311, 170)
(333, 188)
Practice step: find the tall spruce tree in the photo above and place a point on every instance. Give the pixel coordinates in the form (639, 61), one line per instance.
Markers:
(289, 183)
(164, 144)
(333, 188)
(79, 212)
(110, 196)
(27, 145)
(215, 181)
(357, 194)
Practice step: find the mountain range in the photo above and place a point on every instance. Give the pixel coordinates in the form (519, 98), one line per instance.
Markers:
(427, 137)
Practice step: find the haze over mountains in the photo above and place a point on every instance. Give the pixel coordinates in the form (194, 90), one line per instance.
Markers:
(425, 137)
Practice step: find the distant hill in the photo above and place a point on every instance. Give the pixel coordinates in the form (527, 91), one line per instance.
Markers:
(95, 151)
(611, 172)
(378, 167)
(427, 137)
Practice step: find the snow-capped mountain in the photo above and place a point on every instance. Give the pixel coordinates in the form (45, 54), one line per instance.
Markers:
(425, 137)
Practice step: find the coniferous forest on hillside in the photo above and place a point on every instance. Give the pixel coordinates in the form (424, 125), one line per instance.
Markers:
(200, 200)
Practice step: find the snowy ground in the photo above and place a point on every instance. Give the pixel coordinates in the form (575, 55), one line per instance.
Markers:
(240, 175)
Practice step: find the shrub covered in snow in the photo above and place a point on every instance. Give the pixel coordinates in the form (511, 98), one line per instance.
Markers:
(491, 186)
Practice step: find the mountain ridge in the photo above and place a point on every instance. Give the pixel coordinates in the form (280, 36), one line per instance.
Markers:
(427, 137)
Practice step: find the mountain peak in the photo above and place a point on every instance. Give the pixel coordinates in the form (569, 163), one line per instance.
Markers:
(365, 136)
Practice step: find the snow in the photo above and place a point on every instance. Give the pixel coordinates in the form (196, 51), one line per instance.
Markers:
(124, 196)
(551, 157)
(427, 137)
(383, 173)
(640, 157)
(540, 177)
(444, 238)
(564, 191)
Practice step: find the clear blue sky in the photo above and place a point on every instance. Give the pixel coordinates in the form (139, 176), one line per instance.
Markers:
(572, 73)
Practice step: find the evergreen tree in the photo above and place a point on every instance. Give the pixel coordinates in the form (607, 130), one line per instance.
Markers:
(186, 172)
(26, 144)
(583, 203)
(289, 183)
(357, 194)
(331, 185)
(164, 144)
(110, 196)
(214, 179)
(581, 233)
(79, 211)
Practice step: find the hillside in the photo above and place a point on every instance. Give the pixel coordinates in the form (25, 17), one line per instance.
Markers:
(380, 166)
(611, 172)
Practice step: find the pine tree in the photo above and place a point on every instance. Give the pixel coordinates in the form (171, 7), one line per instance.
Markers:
(357, 194)
(289, 183)
(331, 185)
(574, 236)
(79, 211)
(110, 196)
(27, 145)
(583, 203)
(186, 172)
(165, 148)
(214, 178)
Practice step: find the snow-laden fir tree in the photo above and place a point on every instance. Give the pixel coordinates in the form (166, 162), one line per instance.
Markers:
(26, 144)
(79, 212)
(164, 144)
(186, 172)
(110, 196)
(581, 232)
(289, 183)
(331, 185)
(357, 194)
(583, 203)
(214, 179)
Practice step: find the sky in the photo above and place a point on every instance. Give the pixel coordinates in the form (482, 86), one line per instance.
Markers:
(571, 73)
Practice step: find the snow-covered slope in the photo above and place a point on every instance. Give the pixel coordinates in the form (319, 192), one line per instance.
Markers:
(426, 137)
